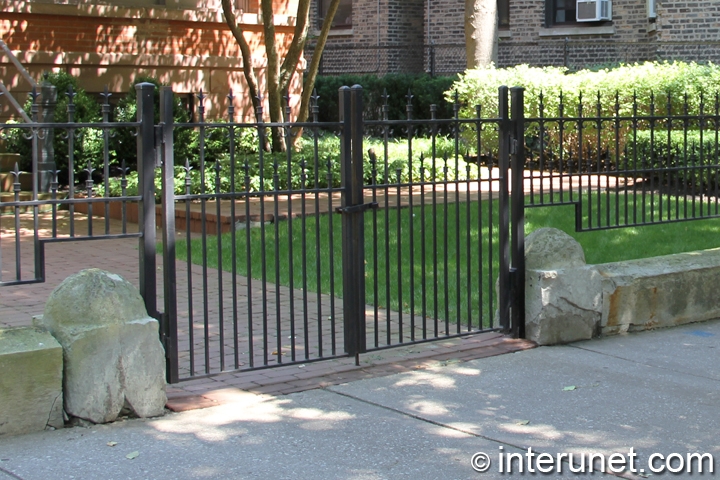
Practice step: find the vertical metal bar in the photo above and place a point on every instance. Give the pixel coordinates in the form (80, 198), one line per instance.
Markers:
(503, 207)
(398, 256)
(411, 215)
(287, 134)
(203, 232)
(331, 248)
(518, 212)
(220, 267)
(233, 229)
(106, 156)
(71, 159)
(353, 238)
(375, 301)
(146, 187)
(263, 257)
(37, 137)
(359, 221)
(169, 319)
(456, 148)
(188, 243)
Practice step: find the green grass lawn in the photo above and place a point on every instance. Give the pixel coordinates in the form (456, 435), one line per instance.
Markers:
(448, 273)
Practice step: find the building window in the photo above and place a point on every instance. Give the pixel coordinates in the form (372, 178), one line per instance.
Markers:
(560, 12)
(503, 7)
(343, 16)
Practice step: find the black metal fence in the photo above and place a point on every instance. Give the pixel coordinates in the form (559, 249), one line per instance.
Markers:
(338, 245)
(449, 59)
(32, 193)
(625, 163)
(360, 234)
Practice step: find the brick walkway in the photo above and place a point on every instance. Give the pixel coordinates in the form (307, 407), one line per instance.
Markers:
(19, 303)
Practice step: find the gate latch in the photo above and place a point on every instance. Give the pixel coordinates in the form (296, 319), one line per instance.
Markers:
(357, 208)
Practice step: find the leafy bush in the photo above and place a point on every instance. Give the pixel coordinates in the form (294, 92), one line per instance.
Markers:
(687, 161)
(425, 90)
(279, 173)
(123, 144)
(648, 89)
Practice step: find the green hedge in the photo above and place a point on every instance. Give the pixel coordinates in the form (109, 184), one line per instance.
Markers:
(659, 88)
(295, 176)
(686, 160)
(426, 91)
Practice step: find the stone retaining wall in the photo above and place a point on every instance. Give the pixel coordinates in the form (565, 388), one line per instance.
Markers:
(567, 300)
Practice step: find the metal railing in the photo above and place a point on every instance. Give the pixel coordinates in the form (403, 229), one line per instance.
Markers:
(448, 59)
(353, 237)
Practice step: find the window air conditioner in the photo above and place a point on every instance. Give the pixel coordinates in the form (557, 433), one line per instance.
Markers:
(594, 10)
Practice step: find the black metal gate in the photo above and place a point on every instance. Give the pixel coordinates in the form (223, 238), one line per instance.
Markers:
(338, 253)
(359, 235)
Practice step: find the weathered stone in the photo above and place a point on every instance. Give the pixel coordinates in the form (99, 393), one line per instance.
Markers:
(550, 248)
(113, 356)
(31, 367)
(562, 305)
(562, 298)
(660, 291)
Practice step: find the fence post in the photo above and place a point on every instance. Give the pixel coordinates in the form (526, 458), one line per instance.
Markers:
(503, 207)
(146, 188)
(46, 165)
(353, 233)
(432, 59)
(517, 208)
(168, 325)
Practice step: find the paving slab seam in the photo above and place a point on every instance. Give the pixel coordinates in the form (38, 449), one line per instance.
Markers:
(9, 473)
(449, 427)
(658, 367)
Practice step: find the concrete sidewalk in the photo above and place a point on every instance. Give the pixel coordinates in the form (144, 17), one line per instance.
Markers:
(655, 392)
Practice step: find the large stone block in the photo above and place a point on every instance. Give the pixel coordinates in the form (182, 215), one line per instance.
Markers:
(549, 248)
(31, 367)
(660, 292)
(562, 306)
(114, 360)
(563, 296)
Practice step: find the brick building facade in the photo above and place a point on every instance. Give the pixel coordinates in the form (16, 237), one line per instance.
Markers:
(537, 32)
(186, 45)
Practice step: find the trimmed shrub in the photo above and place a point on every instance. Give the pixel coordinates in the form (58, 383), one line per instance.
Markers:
(658, 89)
(425, 90)
(684, 161)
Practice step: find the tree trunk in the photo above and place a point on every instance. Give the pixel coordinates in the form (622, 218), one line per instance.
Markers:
(315, 62)
(280, 75)
(481, 33)
(244, 48)
(272, 74)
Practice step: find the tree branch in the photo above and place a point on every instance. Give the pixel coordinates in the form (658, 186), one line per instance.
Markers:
(289, 65)
(244, 48)
(315, 62)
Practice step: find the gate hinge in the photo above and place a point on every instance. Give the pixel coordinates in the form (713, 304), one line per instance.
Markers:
(357, 208)
(513, 146)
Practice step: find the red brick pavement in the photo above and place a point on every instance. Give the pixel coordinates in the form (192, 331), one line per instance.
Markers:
(19, 303)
